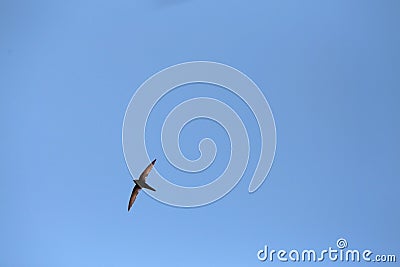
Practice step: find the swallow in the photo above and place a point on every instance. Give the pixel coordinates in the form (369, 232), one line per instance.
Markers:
(141, 183)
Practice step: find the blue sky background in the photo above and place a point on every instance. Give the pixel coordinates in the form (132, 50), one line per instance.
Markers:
(329, 69)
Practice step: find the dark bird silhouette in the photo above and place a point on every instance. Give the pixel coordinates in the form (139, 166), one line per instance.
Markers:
(141, 183)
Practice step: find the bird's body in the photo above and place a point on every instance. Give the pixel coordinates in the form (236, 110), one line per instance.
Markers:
(141, 183)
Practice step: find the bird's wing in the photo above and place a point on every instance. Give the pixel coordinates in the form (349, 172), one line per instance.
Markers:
(147, 171)
(134, 194)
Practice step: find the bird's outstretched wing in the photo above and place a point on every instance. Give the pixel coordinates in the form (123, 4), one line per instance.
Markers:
(134, 194)
(147, 171)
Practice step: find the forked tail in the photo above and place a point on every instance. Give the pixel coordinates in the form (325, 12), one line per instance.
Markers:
(143, 184)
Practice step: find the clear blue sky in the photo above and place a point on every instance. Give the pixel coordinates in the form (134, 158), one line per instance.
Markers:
(329, 69)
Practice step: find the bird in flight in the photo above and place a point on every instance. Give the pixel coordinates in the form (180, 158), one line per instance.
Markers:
(141, 183)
